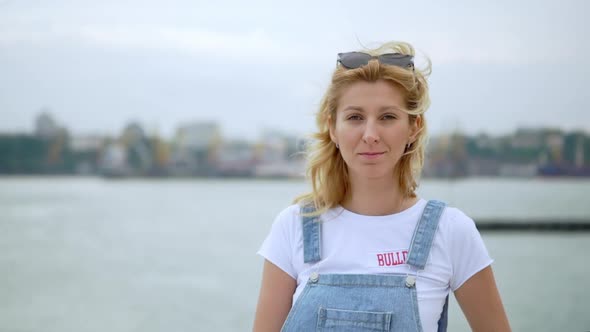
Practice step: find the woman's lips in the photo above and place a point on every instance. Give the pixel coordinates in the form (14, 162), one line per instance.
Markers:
(371, 155)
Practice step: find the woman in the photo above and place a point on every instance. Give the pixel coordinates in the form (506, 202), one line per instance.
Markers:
(362, 251)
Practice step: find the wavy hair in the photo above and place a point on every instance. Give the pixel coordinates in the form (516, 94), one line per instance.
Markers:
(326, 169)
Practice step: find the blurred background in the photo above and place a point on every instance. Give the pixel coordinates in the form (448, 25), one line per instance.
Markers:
(146, 147)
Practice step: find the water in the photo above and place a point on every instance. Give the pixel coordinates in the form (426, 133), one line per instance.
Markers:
(86, 254)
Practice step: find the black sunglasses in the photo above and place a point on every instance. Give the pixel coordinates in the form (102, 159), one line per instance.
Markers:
(353, 60)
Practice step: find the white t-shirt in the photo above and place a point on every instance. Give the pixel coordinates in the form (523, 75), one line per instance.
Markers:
(359, 244)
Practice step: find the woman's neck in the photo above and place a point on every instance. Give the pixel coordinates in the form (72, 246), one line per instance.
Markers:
(376, 197)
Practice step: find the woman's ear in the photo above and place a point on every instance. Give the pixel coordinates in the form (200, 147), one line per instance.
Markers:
(332, 129)
(415, 128)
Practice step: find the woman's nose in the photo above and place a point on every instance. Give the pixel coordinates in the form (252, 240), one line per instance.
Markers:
(371, 136)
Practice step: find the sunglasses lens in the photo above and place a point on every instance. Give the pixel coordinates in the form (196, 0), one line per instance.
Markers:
(396, 59)
(353, 59)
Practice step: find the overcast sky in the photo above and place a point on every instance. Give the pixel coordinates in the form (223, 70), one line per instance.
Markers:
(251, 65)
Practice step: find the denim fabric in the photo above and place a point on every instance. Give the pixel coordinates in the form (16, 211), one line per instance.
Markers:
(311, 236)
(444, 317)
(424, 234)
(363, 302)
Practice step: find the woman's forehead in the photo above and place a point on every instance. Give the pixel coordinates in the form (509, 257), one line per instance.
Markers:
(371, 95)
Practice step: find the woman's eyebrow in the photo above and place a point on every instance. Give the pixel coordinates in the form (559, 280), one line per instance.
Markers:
(362, 110)
(353, 108)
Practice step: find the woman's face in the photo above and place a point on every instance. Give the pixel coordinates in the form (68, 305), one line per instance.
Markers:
(371, 128)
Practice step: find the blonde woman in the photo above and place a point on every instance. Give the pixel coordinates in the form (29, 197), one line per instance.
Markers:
(362, 252)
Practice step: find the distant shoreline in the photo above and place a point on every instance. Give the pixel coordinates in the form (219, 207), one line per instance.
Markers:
(280, 178)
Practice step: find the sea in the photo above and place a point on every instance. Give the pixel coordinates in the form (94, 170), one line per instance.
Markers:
(87, 254)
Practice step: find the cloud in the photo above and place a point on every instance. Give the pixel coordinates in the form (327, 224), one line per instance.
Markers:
(250, 43)
(247, 45)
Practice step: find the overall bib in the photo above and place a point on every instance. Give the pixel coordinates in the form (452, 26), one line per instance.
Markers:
(364, 302)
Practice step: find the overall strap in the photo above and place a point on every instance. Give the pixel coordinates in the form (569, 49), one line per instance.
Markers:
(311, 235)
(424, 234)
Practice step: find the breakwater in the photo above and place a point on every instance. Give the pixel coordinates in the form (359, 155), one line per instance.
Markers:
(545, 225)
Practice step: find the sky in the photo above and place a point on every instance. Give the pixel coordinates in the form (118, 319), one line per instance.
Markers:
(253, 66)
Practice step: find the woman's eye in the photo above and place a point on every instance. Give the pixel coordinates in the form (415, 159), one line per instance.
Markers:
(355, 117)
(389, 117)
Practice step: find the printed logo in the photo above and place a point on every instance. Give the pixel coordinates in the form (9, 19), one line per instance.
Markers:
(388, 258)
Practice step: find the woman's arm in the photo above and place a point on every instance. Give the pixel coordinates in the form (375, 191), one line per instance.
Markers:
(480, 301)
(276, 296)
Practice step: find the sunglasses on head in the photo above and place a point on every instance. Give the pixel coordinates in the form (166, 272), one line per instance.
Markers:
(353, 60)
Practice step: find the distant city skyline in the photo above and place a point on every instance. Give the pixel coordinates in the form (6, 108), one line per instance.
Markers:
(199, 149)
(45, 116)
(256, 65)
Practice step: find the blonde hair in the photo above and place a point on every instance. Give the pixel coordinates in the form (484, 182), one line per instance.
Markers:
(326, 169)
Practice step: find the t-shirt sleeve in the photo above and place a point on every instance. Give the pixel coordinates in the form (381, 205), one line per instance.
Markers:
(469, 254)
(277, 247)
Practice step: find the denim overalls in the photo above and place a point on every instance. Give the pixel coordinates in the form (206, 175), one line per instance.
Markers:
(363, 302)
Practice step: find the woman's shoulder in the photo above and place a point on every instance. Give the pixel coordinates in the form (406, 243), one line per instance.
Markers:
(455, 214)
(288, 216)
(450, 213)
(456, 221)
(293, 210)
(292, 216)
